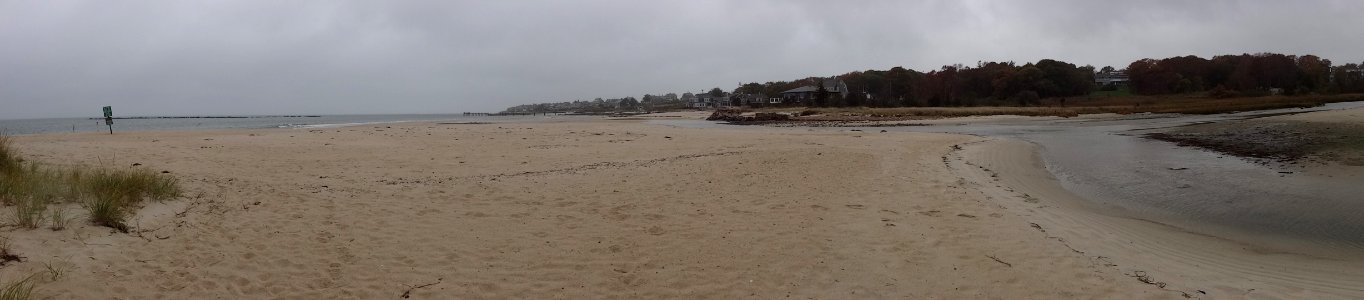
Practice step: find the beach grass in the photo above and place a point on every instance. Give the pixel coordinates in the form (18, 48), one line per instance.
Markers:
(110, 195)
(21, 289)
(29, 212)
(9, 159)
(59, 219)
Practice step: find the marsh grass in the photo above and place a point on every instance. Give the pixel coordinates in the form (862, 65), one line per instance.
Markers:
(948, 112)
(110, 195)
(1081, 105)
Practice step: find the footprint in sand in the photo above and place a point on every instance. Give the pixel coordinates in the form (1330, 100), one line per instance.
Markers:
(655, 230)
(855, 206)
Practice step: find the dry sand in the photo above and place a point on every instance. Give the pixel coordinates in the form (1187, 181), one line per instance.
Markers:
(583, 209)
(613, 209)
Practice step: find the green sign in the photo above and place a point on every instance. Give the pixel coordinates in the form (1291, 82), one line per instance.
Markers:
(108, 111)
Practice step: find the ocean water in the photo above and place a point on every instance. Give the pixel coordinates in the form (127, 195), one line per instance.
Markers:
(57, 125)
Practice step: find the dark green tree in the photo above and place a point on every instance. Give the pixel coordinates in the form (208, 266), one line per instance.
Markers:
(821, 94)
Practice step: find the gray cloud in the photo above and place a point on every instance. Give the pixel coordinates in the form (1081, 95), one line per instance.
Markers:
(60, 58)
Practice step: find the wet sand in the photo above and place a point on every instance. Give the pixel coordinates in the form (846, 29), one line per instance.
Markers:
(577, 209)
(1192, 219)
(1201, 265)
(1310, 139)
(1106, 160)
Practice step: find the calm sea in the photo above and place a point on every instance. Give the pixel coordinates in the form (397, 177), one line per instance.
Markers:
(31, 126)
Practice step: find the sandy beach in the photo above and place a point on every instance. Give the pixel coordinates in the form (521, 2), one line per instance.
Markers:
(580, 208)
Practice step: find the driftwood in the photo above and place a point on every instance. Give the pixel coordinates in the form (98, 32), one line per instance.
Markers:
(408, 292)
(1000, 261)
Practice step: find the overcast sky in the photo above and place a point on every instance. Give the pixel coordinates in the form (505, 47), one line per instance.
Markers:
(68, 58)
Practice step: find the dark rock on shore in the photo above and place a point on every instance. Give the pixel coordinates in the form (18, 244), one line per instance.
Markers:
(735, 116)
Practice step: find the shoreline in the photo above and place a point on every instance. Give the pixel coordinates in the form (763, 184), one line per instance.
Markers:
(1301, 139)
(1236, 250)
(1012, 173)
(652, 194)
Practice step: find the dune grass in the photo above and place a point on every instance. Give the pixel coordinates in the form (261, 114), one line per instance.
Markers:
(29, 212)
(21, 289)
(110, 195)
(9, 160)
(59, 219)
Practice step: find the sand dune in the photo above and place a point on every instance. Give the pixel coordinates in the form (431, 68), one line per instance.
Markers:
(582, 209)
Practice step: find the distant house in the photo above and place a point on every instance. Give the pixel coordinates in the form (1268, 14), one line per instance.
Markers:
(1348, 70)
(709, 101)
(750, 99)
(835, 88)
(688, 98)
(1111, 78)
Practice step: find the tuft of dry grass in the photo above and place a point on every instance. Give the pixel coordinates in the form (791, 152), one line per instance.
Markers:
(108, 210)
(29, 212)
(54, 271)
(59, 219)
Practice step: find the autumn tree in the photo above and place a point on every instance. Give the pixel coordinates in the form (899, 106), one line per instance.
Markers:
(717, 92)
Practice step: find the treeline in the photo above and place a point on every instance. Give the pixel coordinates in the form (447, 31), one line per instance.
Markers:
(1007, 83)
(988, 83)
(1245, 74)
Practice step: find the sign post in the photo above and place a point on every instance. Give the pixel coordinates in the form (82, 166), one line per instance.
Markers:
(109, 118)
